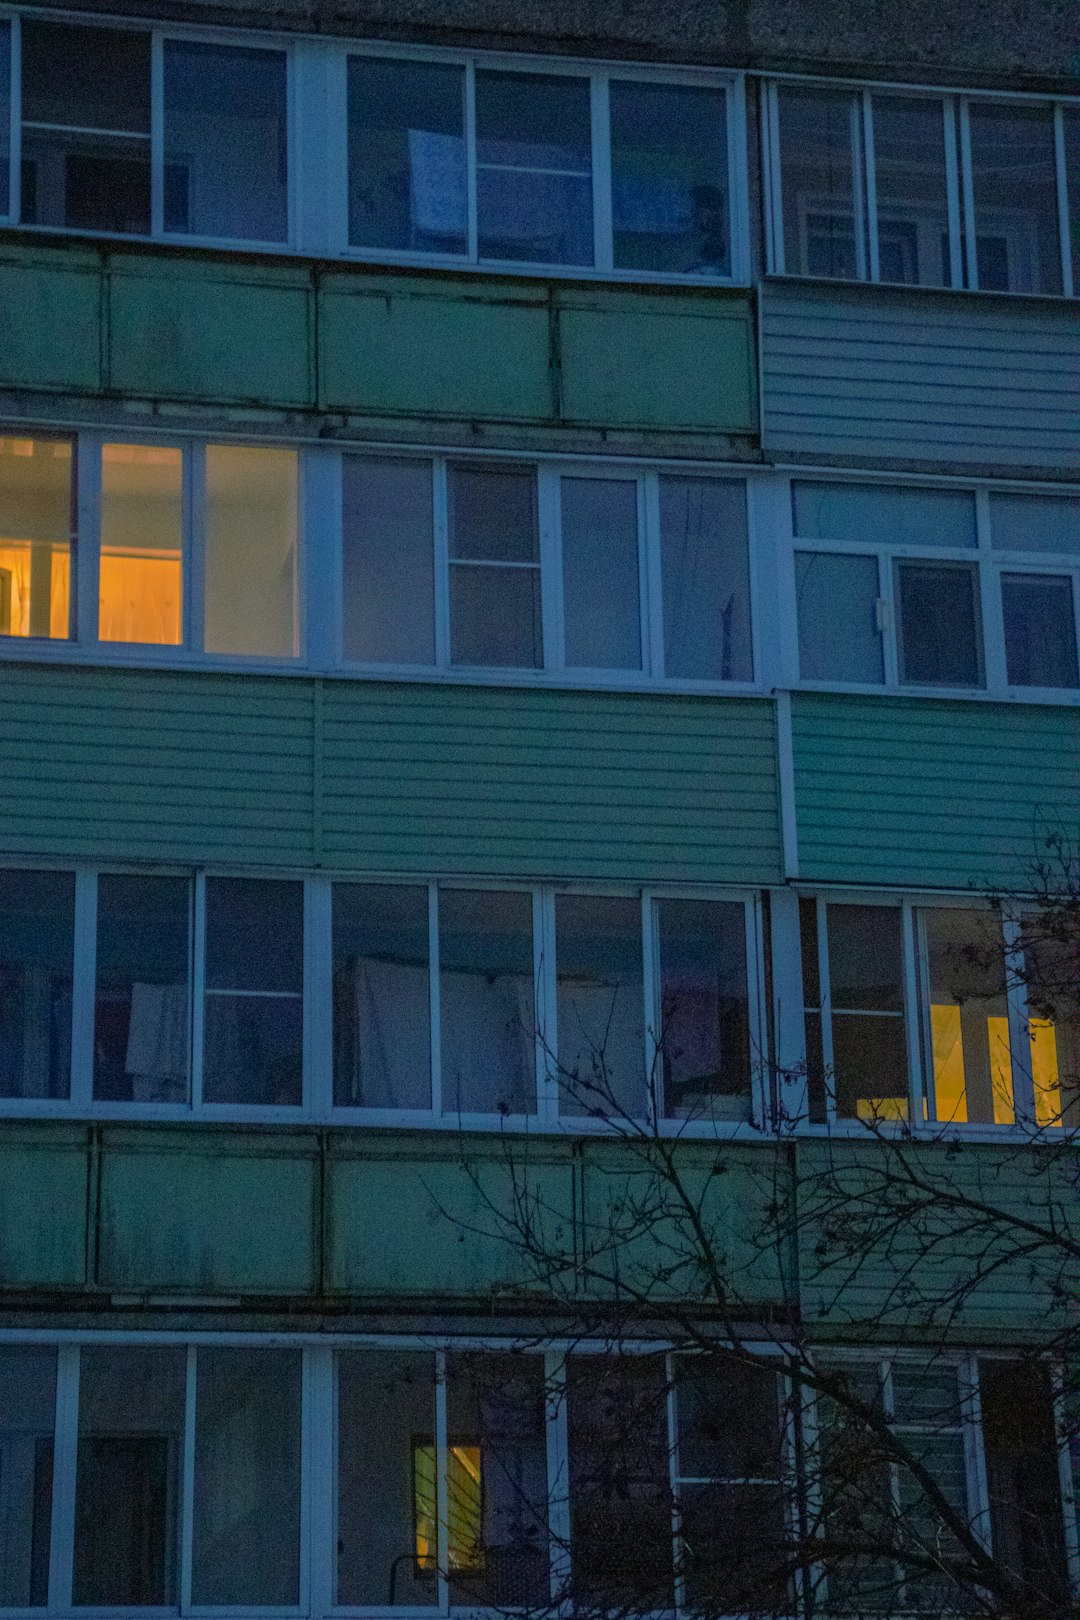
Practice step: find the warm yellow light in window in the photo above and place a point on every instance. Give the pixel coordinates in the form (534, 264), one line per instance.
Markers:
(881, 1108)
(1001, 1070)
(464, 1503)
(35, 588)
(950, 1090)
(1044, 1071)
(139, 597)
(140, 580)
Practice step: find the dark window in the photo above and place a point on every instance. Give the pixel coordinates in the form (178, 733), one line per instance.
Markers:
(37, 921)
(1022, 1477)
(141, 1003)
(939, 638)
(254, 1005)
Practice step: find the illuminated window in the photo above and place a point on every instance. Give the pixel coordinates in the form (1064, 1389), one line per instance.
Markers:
(141, 572)
(1051, 976)
(969, 1017)
(36, 535)
(464, 1507)
(251, 524)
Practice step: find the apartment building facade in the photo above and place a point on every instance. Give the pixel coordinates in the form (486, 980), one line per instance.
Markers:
(512, 534)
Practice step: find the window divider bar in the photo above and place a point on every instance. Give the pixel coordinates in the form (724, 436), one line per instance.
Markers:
(952, 193)
(870, 164)
(602, 199)
(83, 978)
(65, 1463)
(975, 1451)
(924, 1030)
(858, 185)
(440, 515)
(890, 635)
(776, 183)
(738, 179)
(968, 197)
(995, 660)
(1063, 201)
(187, 1485)
(434, 1003)
(551, 1003)
(761, 1091)
(157, 134)
(1067, 1475)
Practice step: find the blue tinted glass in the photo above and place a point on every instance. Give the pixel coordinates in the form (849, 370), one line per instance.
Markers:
(407, 179)
(818, 187)
(669, 199)
(5, 116)
(1014, 185)
(141, 1012)
(253, 1017)
(37, 919)
(939, 641)
(839, 639)
(534, 168)
(1035, 523)
(226, 142)
(1040, 629)
(884, 514)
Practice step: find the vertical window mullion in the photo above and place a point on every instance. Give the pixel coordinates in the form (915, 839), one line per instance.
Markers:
(738, 180)
(470, 160)
(776, 181)
(435, 1003)
(968, 194)
(603, 203)
(551, 587)
(187, 1483)
(441, 538)
(194, 504)
(869, 162)
(653, 1011)
(558, 1473)
(974, 1452)
(995, 663)
(82, 989)
(15, 123)
(198, 988)
(65, 1460)
(925, 1029)
(825, 992)
(157, 134)
(952, 194)
(442, 1494)
(1023, 1079)
(83, 623)
(916, 1080)
(858, 187)
(1063, 201)
(652, 592)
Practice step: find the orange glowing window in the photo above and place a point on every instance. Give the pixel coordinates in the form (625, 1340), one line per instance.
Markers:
(36, 533)
(141, 577)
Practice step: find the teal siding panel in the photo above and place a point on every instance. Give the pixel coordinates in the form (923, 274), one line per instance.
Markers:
(651, 360)
(207, 330)
(546, 783)
(50, 319)
(920, 791)
(43, 1205)
(934, 377)
(119, 764)
(208, 1211)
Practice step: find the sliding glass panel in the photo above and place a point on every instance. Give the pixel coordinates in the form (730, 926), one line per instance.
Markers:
(1051, 980)
(1040, 630)
(142, 1009)
(494, 567)
(1023, 1478)
(251, 537)
(669, 179)
(496, 1479)
(601, 1053)
(912, 199)
(837, 603)
(939, 638)
(5, 116)
(620, 1487)
(969, 1017)
(386, 1469)
(246, 1532)
(704, 1034)
(37, 942)
(870, 1067)
(254, 1008)
(884, 514)
(85, 127)
(382, 1009)
(407, 176)
(706, 579)
(226, 142)
(27, 1421)
(140, 584)
(486, 1000)
(1072, 184)
(388, 586)
(534, 168)
(1049, 523)
(816, 136)
(1014, 185)
(37, 532)
(601, 604)
(129, 1477)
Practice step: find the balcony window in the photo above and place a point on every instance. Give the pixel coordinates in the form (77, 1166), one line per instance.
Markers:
(1039, 614)
(840, 631)
(27, 1422)
(85, 127)
(37, 922)
(251, 547)
(494, 568)
(601, 590)
(1022, 1477)
(1014, 189)
(226, 142)
(534, 168)
(140, 579)
(669, 166)
(382, 1011)
(704, 1035)
(821, 234)
(938, 626)
(706, 579)
(142, 1006)
(1051, 981)
(486, 1000)
(388, 580)
(5, 117)
(600, 1006)
(969, 1016)
(254, 1004)
(37, 534)
(913, 237)
(407, 169)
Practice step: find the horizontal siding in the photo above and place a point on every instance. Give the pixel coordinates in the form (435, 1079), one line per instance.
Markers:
(918, 791)
(936, 377)
(368, 777)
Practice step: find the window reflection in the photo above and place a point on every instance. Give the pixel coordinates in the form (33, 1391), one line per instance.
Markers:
(706, 579)
(407, 175)
(1014, 180)
(669, 198)
(140, 587)
(912, 198)
(817, 130)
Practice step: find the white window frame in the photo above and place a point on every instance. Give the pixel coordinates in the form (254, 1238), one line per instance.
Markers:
(961, 220)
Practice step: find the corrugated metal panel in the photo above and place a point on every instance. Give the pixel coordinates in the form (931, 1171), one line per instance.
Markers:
(44, 1178)
(50, 309)
(545, 783)
(918, 791)
(866, 372)
(139, 765)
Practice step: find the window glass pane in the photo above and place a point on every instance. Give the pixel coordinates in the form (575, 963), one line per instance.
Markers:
(246, 1532)
(939, 639)
(407, 181)
(1040, 629)
(226, 142)
(816, 129)
(128, 1481)
(141, 1007)
(601, 610)
(534, 168)
(704, 1033)
(601, 1054)
(1036, 523)
(254, 1014)
(1051, 980)
(884, 514)
(866, 984)
(620, 1489)
(969, 1016)
(494, 567)
(86, 127)
(140, 588)
(1022, 1477)
(669, 178)
(486, 1001)
(251, 529)
(388, 561)
(382, 1011)
(497, 1548)
(837, 599)
(706, 579)
(1014, 184)
(37, 528)
(37, 924)
(386, 1519)
(5, 117)
(912, 202)
(1072, 172)
(27, 1409)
